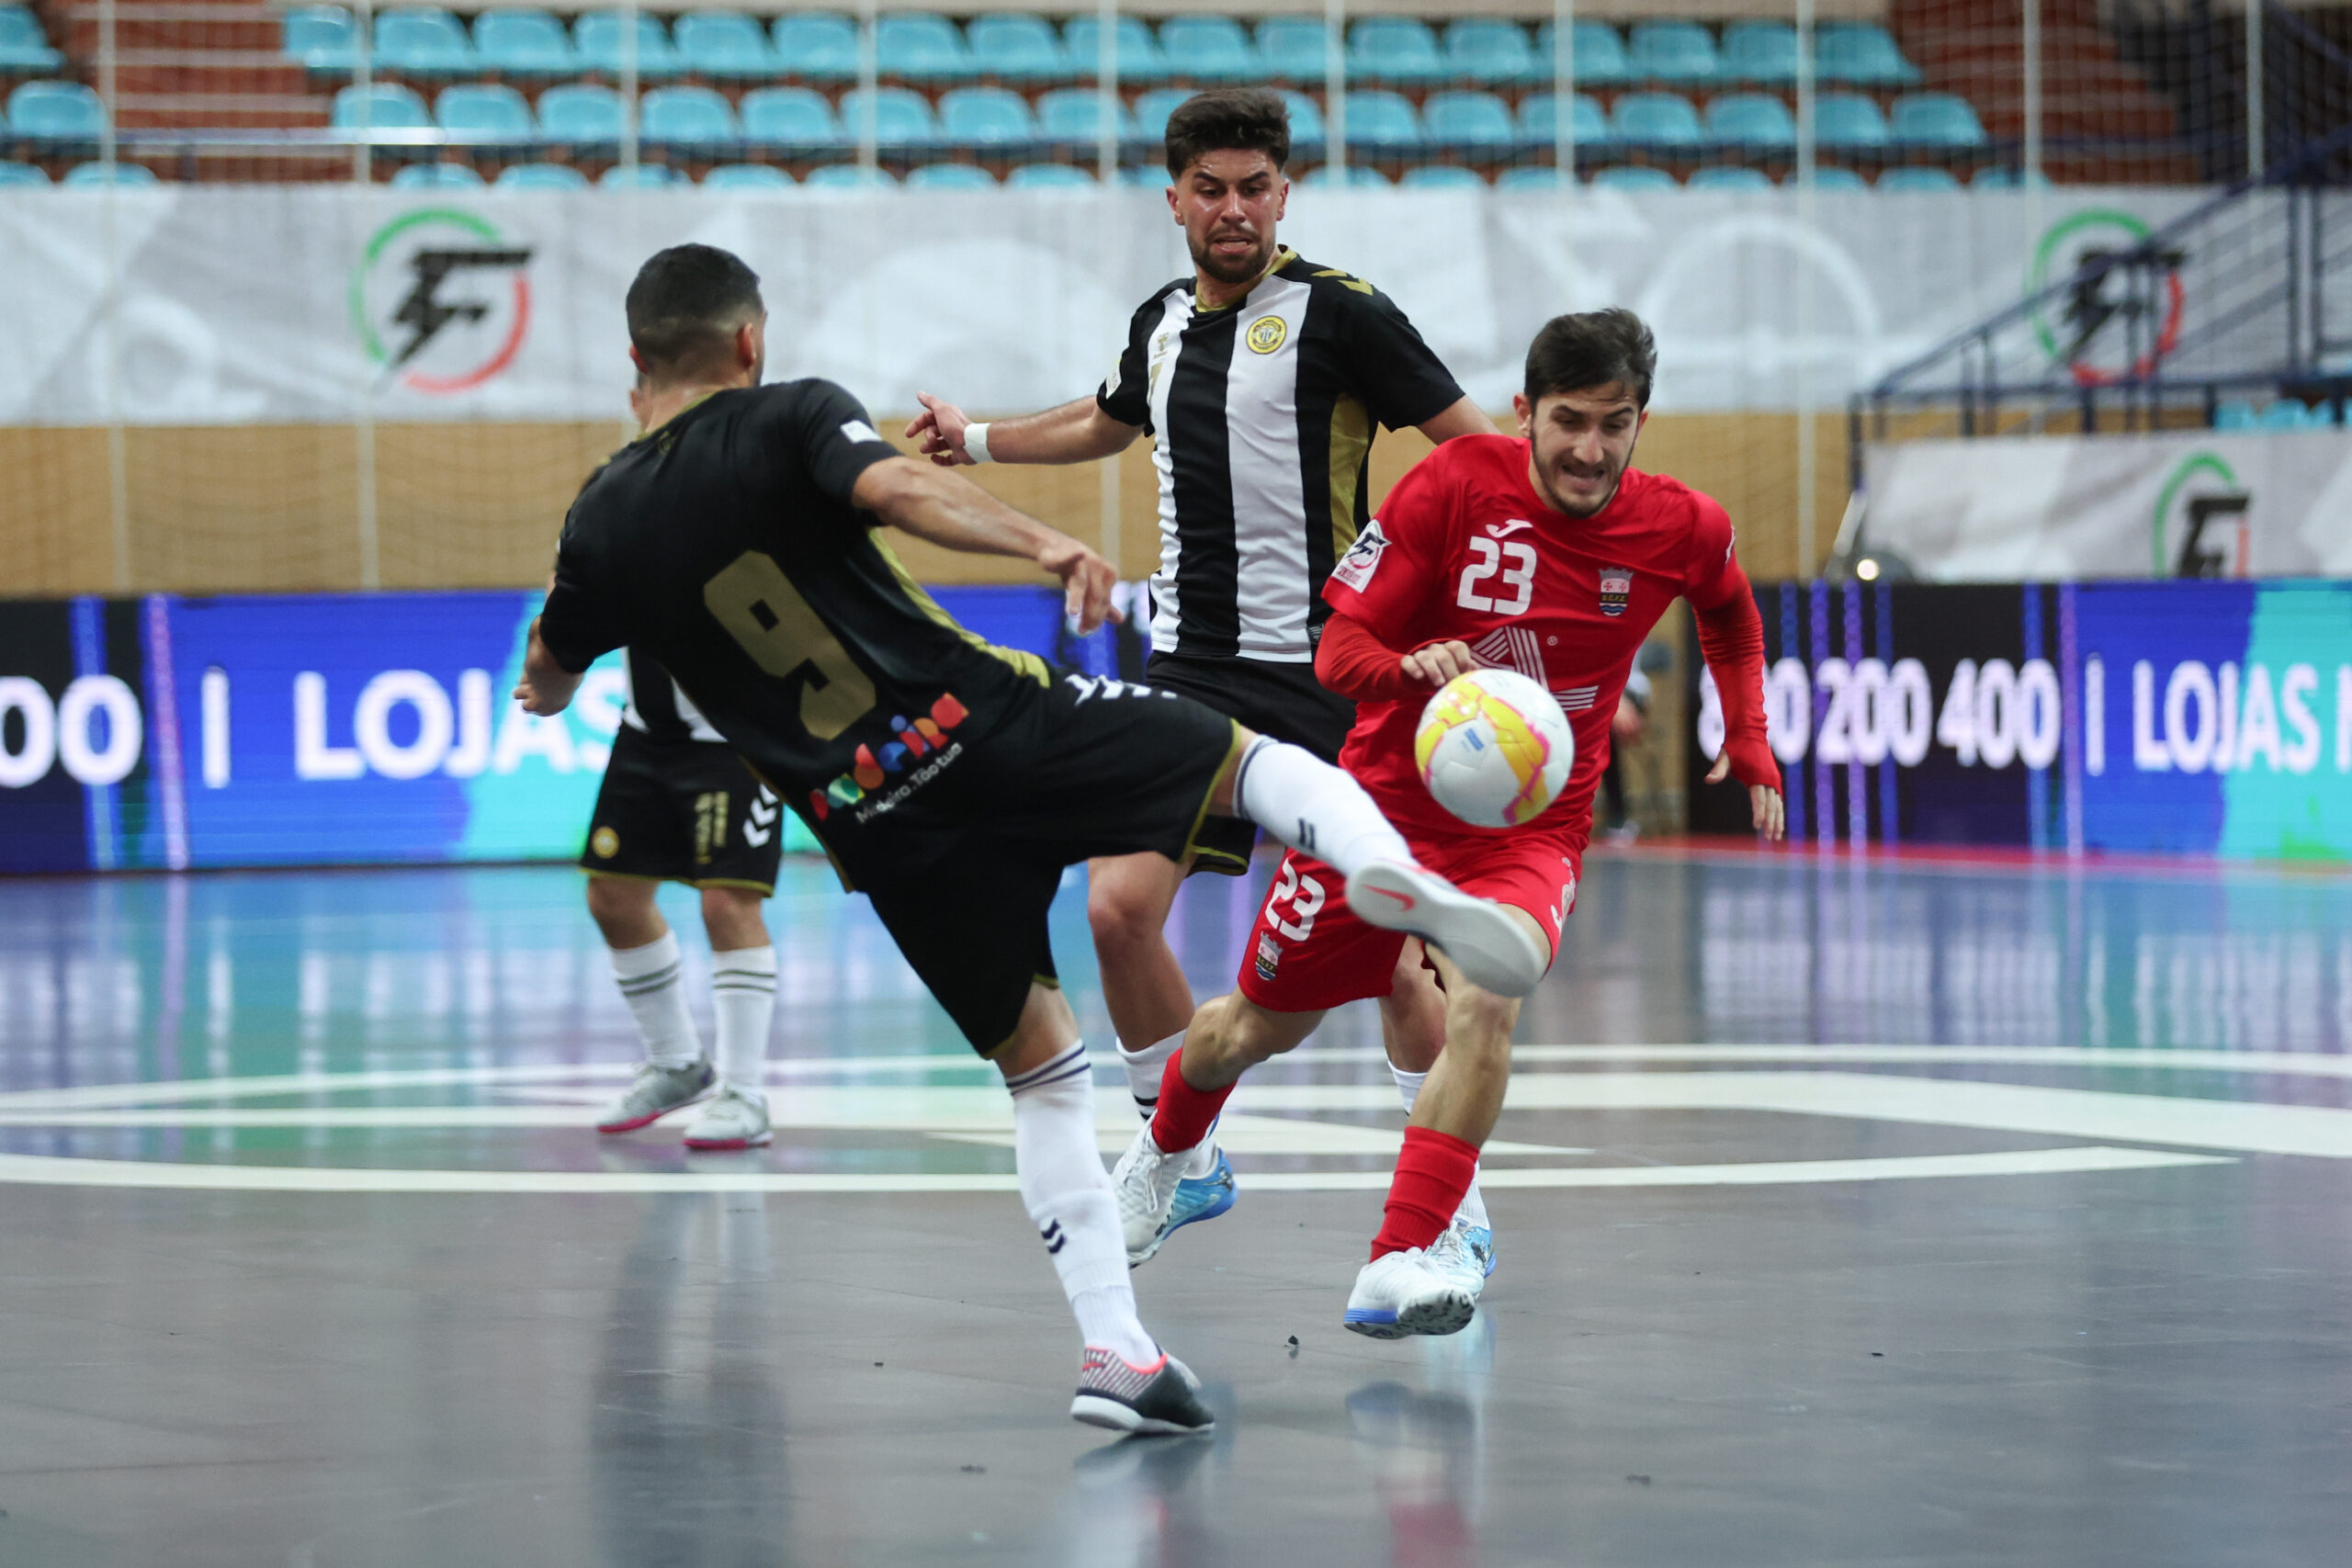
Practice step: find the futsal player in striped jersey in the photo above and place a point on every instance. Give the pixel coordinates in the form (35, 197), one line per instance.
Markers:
(1262, 379)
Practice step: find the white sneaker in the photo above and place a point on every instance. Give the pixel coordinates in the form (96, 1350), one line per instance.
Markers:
(1463, 1256)
(1495, 952)
(731, 1120)
(655, 1092)
(1147, 1181)
(1398, 1294)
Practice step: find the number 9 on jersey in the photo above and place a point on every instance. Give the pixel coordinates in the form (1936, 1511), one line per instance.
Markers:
(1494, 748)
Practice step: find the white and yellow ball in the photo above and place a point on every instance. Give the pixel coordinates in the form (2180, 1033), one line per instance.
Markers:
(1494, 748)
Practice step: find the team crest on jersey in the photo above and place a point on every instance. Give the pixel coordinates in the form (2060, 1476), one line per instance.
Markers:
(1266, 335)
(605, 842)
(1616, 589)
(1270, 955)
(1355, 567)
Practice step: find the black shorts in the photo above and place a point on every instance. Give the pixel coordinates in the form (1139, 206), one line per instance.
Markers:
(1285, 701)
(683, 811)
(964, 869)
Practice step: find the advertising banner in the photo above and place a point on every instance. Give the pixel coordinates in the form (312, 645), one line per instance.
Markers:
(2169, 717)
(329, 729)
(2192, 505)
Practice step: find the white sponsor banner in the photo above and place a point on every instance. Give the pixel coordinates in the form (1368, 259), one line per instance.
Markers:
(2190, 505)
(294, 303)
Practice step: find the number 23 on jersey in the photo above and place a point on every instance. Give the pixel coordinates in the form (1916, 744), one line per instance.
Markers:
(1499, 578)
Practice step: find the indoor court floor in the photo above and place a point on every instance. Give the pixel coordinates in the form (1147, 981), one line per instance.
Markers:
(1850, 1212)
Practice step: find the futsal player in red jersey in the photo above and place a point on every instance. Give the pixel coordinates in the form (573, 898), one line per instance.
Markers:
(1547, 555)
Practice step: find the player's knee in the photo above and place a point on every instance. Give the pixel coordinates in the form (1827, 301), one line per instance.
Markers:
(1124, 916)
(731, 916)
(1480, 1022)
(622, 909)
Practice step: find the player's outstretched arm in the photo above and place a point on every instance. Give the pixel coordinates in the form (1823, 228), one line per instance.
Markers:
(1077, 432)
(1460, 418)
(546, 687)
(951, 510)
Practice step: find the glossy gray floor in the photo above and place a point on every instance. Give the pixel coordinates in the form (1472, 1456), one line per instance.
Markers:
(1903, 1214)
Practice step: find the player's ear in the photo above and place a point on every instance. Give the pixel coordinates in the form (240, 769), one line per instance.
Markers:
(1281, 197)
(1526, 413)
(1174, 210)
(638, 360)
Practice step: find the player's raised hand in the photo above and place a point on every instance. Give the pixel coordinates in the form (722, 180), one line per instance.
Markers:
(939, 431)
(1086, 580)
(1438, 662)
(1766, 808)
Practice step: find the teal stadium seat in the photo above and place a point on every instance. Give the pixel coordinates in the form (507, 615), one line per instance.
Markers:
(1384, 120)
(1861, 55)
(1918, 180)
(2285, 414)
(726, 46)
(1829, 178)
(437, 176)
(849, 177)
(485, 112)
(1995, 176)
(816, 46)
(540, 176)
(1536, 123)
(385, 106)
(580, 114)
(1153, 109)
(1305, 119)
(524, 44)
(427, 41)
(789, 117)
(23, 176)
(985, 117)
(1075, 114)
(1140, 59)
(1729, 176)
(58, 111)
(1493, 53)
(321, 38)
(688, 116)
(1051, 177)
(950, 176)
(1144, 176)
(1442, 177)
(1762, 52)
(1756, 120)
(920, 46)
(597, 38)
(122, 177)
(2236, 413)
(1466, 119)
(1291, 49)
(1635, 179)
(1599, 53)
(1847, 120)
(753, 177)
(24, 47)
(641, 176)
(1935, 120)
(1208, 50)
(1015, 47)
(1361, 177)
(1393, 49)
(1530, 177)
(902, 116)
(1671, 51)
(1655, 120)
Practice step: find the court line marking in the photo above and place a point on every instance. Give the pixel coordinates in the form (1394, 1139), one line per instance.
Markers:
(56, 1171)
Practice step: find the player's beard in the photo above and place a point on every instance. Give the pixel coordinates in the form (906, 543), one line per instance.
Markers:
(1615, 475)
(1231, 270)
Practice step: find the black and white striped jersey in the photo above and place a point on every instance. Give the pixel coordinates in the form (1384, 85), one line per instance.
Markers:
(659, 707)
(1262, 415)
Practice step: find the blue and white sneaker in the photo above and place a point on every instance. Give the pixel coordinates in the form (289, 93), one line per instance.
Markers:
(1399, 1293)
(1463, 1256)
(1200, 1196)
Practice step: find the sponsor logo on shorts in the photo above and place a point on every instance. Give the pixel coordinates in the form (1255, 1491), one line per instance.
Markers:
(1270, 955)
(1616, 589)
(871, 769)
(1355, 567)
(1267, 333)
(605, 842)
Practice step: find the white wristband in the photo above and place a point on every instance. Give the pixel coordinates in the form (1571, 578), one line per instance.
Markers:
(975, 442)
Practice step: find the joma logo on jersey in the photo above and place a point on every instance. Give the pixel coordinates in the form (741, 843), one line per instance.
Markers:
(871, 769)
(1616, 589)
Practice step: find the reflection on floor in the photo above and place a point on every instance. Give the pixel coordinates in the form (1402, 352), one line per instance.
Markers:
(1849, 1213)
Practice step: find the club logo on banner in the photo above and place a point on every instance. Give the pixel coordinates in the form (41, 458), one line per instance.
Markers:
(442, 301)
(2201, 527)
(2101, 332)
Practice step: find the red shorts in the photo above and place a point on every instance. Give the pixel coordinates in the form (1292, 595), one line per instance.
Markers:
(1309, 951)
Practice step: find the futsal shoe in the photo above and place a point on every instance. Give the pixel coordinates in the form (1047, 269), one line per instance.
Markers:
(1399, 1293)
(1163, 1399)
(731, 1120)
(654, 1093)
(1145, 1180)
(1494, 950)
(1202, 1197)
(1463, 1256)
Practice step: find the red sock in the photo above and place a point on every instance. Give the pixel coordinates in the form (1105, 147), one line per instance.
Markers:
(1184, 1115)
(1434, 1171)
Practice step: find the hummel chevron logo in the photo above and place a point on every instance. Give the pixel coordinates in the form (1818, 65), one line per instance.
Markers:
(762, 812)
(1054, 1235)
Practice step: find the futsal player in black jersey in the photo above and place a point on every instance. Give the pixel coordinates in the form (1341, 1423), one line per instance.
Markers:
(738, 542)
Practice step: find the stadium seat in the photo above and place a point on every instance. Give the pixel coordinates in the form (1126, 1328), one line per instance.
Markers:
(1629, 179)
(24, 46)
(726, 46)
(1209, 49)
(539, 176)
(985, 117)
(757, 178)
(1075, 114)
(1600, 55)
(1860, 53)
(1360, 177)
(597, 38)
(1537, 126)
(1144, 176)
(1847, 120)
(1998, 177)
(790, 117)
(1291, 49)
(920, 46)
(1671, 51)
(687, 117)
(902, 116)
(1829, 178)
(1140, 59)
(1656, 119)
(1529, 176)
(1393, 49)
(1442, 177)
(1466, 119)
(126, 176)
(641, 176)
(1729, 176)
(816, 46)
(484, 111)
(849, 177)
(1015, 47)
(523, 43)
(22, 177)
(1051, 177)
(1492, 53)
(1153, 108)
(437, 177)
(1918, 180)
(58, 111)
(2236, 413)
(1377, 118)
(1751, 119)
(581, 113)
(1758, 51)
(950, 176)
(2284, 413)
(1935, 120)
(321, 38)
(427, 41)
(1305, 119)
(385, 105)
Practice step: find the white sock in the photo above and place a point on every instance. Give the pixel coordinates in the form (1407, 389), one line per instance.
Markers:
(650, 977)
(1314, 807)
(1069, 1200)
(742, 994)
(1147, 1067)
(1474, 1203)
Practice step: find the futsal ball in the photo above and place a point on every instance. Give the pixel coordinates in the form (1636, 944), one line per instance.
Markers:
(1494, 748)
